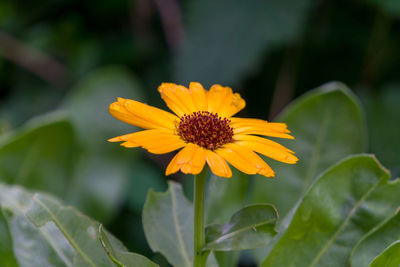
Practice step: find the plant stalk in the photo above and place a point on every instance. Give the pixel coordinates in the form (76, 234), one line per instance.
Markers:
(200, 257)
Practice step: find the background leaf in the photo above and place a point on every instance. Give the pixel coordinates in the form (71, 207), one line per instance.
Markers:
(389, 257)
(87, 105)
(226, 196)
(328, 125)
(390, 6)
(220, 48)
(373, 243)
(100, 162)
(382, 112)
(251, 227)
(345, 202)
(42, 150)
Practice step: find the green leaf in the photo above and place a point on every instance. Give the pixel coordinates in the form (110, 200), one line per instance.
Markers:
(88, 102)
(100, 162)
(46, 233)
(6, 244)
(111, 176)
(37, 152)
(145, 176)
(328, 125)
(80, 231)
(32, 247)
(390, 6)
(227, 258)
(225, 196)
(118, 254)
(344, 203)
(168, 225)
(389, 257)
(251, 227)
(382, 110)
(376, 241)
(219, 46)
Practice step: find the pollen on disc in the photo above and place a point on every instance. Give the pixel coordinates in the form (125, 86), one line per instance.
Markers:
(205, 129)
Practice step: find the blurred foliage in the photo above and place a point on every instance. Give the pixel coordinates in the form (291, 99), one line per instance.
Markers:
(54, 121)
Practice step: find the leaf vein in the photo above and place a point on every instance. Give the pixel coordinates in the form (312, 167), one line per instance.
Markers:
(343, 225)
(69, 238)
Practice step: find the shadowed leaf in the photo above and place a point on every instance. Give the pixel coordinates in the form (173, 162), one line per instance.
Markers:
(250, 227)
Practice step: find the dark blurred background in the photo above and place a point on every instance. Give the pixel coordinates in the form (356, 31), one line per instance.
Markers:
(75, 57)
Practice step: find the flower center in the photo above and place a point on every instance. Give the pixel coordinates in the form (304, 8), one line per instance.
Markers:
(205, 129)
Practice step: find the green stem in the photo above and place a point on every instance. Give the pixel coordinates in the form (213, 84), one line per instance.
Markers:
(200, 257)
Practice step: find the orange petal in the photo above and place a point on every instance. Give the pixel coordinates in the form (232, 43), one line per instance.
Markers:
(198, 95)
(218, 165)
(178, 98)
(156, 141)
(172, 166)
(190, 159)
(217, 96)
(260, 127)
(142, 115)
(221, 100)
(235, 104)
(245, 160)
(269, 151)
(262, 141)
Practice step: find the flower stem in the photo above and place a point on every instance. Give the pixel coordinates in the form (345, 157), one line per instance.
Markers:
(200, 257)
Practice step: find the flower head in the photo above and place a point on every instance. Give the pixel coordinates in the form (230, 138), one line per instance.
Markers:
(205, 131)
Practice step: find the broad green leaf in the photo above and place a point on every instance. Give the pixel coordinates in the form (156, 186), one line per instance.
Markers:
(80, 231)
(118, 254)
(376, 241)
(225, 196)
(251, 227)
(40, 155)
(46, 233)
(390, 257)
(6, 244)
(32, 247)
(225, 38)
(168, 225)
(344, 203)
(328, 125)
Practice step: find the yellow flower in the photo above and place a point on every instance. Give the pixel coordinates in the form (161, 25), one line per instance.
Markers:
(204, 128)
